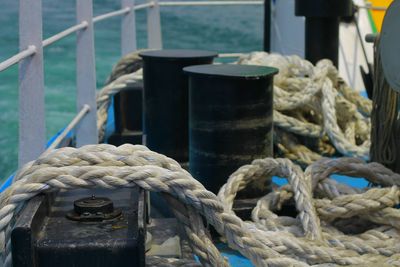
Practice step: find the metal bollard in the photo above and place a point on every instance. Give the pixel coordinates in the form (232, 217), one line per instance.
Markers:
(322, 27)
(230, 120)
(128, 116)
(165, 122)
(267, 25)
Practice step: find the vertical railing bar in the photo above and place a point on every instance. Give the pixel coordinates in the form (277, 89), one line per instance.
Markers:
(154, 26)
(86, 131)
(32, 126)
(128, 28)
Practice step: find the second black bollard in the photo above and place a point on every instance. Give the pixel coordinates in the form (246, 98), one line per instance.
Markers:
(166, 99)
(128, 116)
(230, 113)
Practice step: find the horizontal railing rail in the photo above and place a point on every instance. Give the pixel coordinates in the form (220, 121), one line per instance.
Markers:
(64, 33)
(18, 57)
(144, 6)
(73, 29)
(112, 14)
(77, 119)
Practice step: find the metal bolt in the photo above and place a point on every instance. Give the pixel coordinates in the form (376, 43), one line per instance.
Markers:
(93, 209)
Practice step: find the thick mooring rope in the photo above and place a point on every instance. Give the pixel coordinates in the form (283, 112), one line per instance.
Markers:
(313, 102)
(312, 105)
(335, 225)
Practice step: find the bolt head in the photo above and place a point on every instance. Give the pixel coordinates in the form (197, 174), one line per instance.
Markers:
(93, 205)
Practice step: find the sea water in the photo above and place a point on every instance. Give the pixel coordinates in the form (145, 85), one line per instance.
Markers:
(218, 28)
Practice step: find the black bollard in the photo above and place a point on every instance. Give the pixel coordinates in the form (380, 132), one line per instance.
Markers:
(128, 116)
(230, 113)
(322, 27)
(267, 26)
(165, 123)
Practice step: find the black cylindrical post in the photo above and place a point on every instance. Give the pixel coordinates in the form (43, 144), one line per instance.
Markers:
(322, 39)
(322, 27)
(128, 116)
(267, 25)
(165, 124)
(230, 114)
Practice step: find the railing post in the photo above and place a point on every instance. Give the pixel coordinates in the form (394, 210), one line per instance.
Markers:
(86, 132)
(154, 37)
(32, 126)
(128, 28)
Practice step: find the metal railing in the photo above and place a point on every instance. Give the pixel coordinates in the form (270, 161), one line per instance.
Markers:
(32, 130)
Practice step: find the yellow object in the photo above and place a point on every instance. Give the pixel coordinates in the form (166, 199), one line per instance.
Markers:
(378, 15)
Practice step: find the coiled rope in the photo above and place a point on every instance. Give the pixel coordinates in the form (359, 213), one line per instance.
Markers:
(313, 102)
(312, 105)
(336, 224)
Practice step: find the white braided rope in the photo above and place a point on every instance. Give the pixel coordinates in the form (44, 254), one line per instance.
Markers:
(301, 88)
(269, 240)
(284, 234)
(106, 166)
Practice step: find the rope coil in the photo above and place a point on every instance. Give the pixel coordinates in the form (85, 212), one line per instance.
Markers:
(313, 101)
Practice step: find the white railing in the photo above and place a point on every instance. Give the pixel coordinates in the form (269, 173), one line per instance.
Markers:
(75, 121)
(32, 130)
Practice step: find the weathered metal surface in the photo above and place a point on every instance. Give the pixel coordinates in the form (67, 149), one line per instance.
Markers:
(86, 131)
(94, 209)
(166, 99)
(32, 126)
(230, 120)
(43, 236)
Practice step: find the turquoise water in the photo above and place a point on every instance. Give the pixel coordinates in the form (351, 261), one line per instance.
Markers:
(222, 29)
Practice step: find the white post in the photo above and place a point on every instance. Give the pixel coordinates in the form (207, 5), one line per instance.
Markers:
(32, 126)
(128, 28)
(86, 131)
(154, 38)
